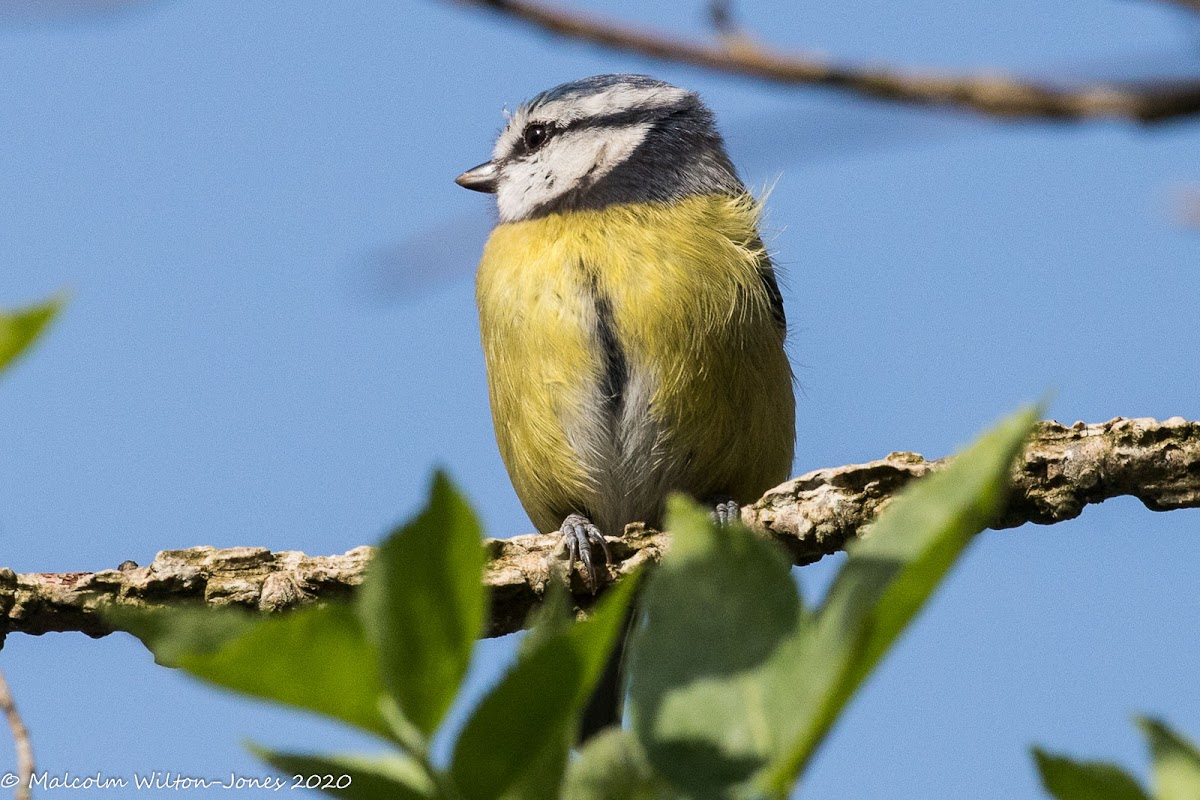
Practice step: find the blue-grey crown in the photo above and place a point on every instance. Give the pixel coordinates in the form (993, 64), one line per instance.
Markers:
(596, 84)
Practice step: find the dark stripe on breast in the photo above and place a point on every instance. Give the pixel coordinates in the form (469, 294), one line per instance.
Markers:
(766, 271)
(614, 368)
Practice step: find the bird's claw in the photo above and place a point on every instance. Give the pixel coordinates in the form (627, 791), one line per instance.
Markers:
(579, 536)
(726, 513)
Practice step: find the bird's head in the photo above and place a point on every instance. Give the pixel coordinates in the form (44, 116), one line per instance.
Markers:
(600, 141)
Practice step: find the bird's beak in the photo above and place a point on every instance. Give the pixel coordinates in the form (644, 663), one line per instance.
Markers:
(480, 179)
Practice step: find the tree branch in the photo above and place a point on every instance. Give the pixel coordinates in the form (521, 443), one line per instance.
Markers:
(994, 94)
(20, 734)
(1063, 470)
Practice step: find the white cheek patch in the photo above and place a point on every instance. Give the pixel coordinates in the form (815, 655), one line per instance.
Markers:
(570, 160)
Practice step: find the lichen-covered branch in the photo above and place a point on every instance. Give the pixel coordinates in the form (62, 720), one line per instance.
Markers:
(1063, 470)
(990, 92)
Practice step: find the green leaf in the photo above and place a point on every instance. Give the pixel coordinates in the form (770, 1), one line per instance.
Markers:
(544, 774)
(554, 616)
(886, 580)
(315, 658)
(19, 329)
(351, 776)
(536, 704)
(716, 610)
(612, 766)
(1176, 762)
(594, 638)
(1067, 779)
(172, 633)
(423, 605)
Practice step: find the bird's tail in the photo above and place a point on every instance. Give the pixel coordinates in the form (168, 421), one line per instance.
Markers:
(605, 706)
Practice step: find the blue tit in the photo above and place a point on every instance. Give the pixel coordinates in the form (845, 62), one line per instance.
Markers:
(631, 321)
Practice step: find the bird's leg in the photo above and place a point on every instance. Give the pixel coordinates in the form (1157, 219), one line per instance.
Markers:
(579, 536)
(726, 513)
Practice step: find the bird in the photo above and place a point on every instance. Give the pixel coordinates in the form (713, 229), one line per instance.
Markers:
(632, 324)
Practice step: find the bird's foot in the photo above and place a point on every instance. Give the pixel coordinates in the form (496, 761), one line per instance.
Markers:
(579, 537)
(726, 513)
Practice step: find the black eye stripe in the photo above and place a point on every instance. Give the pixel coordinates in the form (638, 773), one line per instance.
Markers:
(621, 119)
(618, 119)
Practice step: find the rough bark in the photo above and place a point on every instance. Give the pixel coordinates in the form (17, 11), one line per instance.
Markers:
(1062, 470)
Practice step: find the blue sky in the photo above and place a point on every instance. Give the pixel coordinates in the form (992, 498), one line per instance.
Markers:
(262, 349)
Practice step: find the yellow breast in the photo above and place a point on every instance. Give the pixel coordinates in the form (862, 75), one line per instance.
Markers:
(707, 394)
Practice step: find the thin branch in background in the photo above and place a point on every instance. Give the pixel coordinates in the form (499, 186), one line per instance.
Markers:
(1186, 206)
(994, 94)
(21, 741)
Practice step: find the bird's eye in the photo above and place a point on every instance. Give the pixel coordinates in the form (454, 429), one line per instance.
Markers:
(535, 135)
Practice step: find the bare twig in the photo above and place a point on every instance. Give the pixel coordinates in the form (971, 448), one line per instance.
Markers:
(1063, 470)
(731, 35)
(1187, 207)
(720, 14)
(999, 95)
(21, 741)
